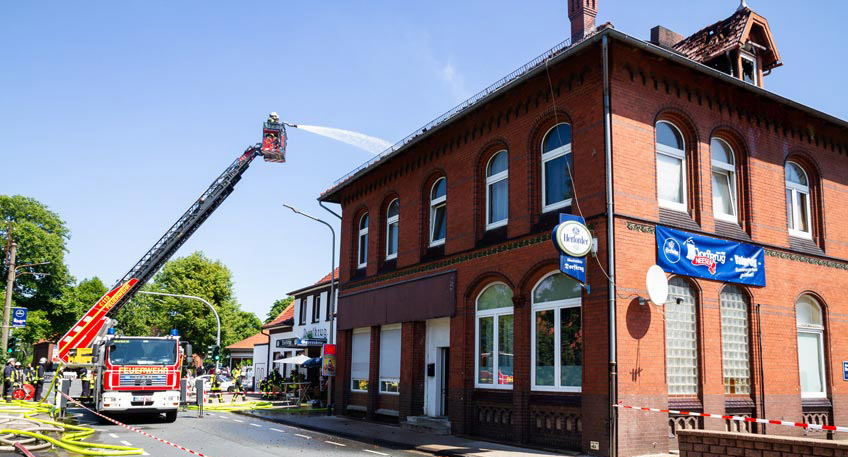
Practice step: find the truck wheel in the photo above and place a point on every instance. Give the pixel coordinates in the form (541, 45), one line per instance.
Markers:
(170, 416)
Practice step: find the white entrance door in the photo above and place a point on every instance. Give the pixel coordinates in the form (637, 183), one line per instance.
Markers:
(438, 339)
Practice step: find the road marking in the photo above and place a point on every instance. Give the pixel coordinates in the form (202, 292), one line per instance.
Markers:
(334, 443)
(126, 443)
(278, 430)
(374, 452)
(145, 453)
(241, 422)
(210, 414)
(113, 435)
(303, 436)
(256, 425)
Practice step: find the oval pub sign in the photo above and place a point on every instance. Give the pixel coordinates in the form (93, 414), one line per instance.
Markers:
(573, 238)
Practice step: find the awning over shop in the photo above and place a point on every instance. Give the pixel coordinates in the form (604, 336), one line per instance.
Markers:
(296, 360)
(416, 299)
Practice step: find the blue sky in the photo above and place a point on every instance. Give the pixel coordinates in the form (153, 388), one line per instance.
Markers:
(118, 114)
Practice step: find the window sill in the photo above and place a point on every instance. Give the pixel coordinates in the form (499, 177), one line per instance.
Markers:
(497, 224)
(556, 206)
(493, 386)
(437, 243)
(801, 235)
(389, 393)
(674, 206)
(572, 390)
(727, 218)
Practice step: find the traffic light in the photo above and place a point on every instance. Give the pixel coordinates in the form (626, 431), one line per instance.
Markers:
(12, 345)
(216, 353)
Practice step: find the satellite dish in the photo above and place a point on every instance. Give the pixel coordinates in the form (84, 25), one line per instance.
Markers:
(657, 284)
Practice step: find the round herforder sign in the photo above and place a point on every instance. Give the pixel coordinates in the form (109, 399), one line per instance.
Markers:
(574, 239)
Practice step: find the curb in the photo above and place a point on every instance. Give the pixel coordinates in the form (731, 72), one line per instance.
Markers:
(355, 437)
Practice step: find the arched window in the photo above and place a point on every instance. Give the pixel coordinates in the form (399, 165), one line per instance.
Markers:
(811, 365)
(556, 168)
(734, 341)
(724, 181)
(798, 201)
(557, 335)
(494, 337)
(671, 167)
(392, 229)
(681, 339)
(497, 190)
(363, 241)
(438, 212)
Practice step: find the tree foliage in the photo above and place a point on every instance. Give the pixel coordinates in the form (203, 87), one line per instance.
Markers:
(278, 307)
(194, 275)
(41, 236)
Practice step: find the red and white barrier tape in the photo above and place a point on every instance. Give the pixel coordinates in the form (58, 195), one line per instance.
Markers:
(24, 451)
(133, 429)
(829, 428)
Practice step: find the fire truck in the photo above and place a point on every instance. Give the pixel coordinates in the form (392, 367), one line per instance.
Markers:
(141, 374)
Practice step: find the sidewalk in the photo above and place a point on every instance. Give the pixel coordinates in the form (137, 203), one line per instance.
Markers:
(392, 436)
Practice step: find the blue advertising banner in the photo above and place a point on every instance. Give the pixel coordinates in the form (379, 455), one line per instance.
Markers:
(19, 316)
(573, 241)
(710, 258)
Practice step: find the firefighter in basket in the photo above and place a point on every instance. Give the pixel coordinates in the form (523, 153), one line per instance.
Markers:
(238, 387)
(216, 388)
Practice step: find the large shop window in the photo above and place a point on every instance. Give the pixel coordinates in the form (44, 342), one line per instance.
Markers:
(360, 356)
(363, 241)
(494, 337)
(681, 342)
(724, 181)
(557, 353)
(556, 168)
(808, 318)
(734, 341)
(438, 212)
(798, 201)
(392, 229)
(671, 167)
(390, 359)
(497, 190)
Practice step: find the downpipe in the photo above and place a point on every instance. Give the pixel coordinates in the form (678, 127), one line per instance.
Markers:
(613, 371)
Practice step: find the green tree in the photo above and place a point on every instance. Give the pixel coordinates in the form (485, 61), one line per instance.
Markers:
(73, 301)
(41, 236)
(278, 307)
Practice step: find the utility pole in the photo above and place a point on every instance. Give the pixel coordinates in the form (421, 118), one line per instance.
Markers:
(10, 284)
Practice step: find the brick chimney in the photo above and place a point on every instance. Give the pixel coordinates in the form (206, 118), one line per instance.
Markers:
(582, 14)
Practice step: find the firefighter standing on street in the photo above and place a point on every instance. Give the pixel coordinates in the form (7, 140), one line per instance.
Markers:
(38, 379)
(238, 386)
(17, 378)
(8, 375)
(85, 377)
(216, 388)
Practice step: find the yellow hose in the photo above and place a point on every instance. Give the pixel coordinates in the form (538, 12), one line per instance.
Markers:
(251, 405)
(71, 437)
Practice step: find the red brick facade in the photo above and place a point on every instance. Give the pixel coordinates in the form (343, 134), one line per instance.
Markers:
(646, 86)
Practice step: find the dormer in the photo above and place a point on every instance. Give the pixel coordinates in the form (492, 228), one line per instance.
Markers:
(741, 46)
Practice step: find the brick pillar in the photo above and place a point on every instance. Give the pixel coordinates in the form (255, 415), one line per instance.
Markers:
(521, 367)
(341, 383)
(412, 369)
(582, 15)
(374, 374)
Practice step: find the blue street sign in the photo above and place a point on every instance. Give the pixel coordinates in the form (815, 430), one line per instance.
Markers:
(19, 316)
(710, 258)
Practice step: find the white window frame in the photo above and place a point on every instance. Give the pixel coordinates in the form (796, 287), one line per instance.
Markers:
(555, 306)
(728, 170)
(363, 233)
(677, 154)
(818, 331)
(494, 179)
(389, 222)
(435, 204)
(547, 157)
(753, 59)
(495, 313)
(384, 379)
(798, 192)
(368, 352)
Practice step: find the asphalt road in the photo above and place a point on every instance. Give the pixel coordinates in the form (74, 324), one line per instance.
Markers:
(228, 435)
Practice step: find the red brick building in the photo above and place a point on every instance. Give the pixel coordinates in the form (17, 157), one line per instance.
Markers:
(451, 304)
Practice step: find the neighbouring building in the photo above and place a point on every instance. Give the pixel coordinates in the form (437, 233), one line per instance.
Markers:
(280, 330)
(312, 316)
(452, 309)
(241, 352)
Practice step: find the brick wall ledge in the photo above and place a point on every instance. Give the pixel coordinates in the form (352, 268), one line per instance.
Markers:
(697, 443)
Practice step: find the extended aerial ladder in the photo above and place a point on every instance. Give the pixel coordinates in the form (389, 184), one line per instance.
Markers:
(90, 325)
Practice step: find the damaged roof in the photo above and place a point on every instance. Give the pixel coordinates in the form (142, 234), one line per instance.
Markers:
(731, 34)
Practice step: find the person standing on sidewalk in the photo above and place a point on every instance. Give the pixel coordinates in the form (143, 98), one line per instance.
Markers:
(216, 388)
(238, 386)
(8, 375)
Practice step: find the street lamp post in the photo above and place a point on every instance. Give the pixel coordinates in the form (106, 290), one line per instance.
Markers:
(332, 336)
(217, 319)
